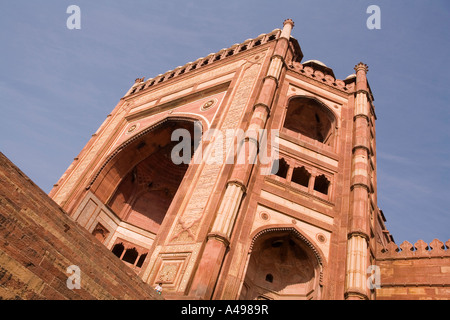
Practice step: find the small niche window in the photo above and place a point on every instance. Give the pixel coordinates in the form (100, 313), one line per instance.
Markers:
(269, 277)
(129, 253)
(100, 232)
(321, 184)
(301, 176)
(280, 168)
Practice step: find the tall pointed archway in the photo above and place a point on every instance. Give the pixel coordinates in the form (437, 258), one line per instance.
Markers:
(139, 183)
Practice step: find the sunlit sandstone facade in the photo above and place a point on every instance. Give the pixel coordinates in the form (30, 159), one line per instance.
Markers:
(210, 230)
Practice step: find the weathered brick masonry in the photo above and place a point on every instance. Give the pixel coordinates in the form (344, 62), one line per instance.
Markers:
(38, 241)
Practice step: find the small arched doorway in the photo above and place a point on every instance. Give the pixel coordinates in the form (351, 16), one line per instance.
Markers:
(281, 266)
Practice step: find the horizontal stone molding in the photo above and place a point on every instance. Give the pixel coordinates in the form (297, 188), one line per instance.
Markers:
(413, 284)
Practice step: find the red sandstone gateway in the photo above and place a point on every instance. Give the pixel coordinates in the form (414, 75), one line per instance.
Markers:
(311, 229)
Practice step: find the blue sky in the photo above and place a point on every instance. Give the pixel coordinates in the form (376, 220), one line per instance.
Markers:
(58, 85)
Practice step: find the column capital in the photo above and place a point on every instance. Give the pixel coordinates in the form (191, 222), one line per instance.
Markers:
(362, 67)
(290, 21)
(361, 77)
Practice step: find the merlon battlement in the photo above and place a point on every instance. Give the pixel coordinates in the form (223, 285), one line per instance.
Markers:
(140, 84)
(420, 249)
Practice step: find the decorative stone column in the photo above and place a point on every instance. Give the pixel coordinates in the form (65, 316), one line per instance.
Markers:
(219, 237)
(358, 235)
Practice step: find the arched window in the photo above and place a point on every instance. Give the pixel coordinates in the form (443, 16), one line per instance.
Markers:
(310, 118)
(321, 184)
(280, 168)
(141, 260)
(118, 249)
(130, 255)
(301, 176)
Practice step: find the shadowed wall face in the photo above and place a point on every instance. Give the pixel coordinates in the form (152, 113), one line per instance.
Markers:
(146, 192)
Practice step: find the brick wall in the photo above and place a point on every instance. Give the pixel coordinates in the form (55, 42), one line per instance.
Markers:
(38, 242)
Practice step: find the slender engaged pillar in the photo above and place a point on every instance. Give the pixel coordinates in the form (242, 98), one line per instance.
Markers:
(220, 234)
(358, 236)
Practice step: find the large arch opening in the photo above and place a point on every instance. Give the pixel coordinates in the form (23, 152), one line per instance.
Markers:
(309, 117)
(141, 181)
(281, 266)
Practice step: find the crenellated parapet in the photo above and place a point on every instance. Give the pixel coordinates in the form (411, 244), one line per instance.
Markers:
(420, 249)
(324, 75)
(189, 67)
(310, 69)
(414, 271)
